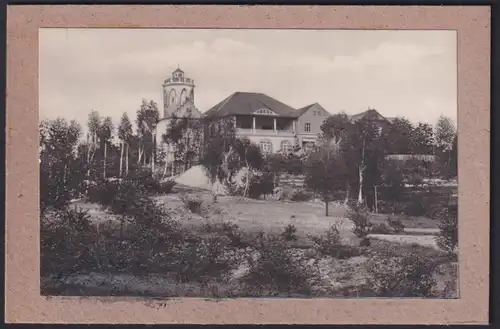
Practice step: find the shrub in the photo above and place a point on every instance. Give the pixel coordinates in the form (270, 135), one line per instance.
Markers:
(150, 183)
(167, 187)
(290, 233)
(381, 228)
(396, 224)
(300, 195)
(330, 244)
(153, 232)
(260, 185)
(103, 192)
(448, 228)
(53, 193)
(276, 271)
(409, 276)
(67, 242)
(129, 199)
(192, 202)
(358, 214)
(196, 261)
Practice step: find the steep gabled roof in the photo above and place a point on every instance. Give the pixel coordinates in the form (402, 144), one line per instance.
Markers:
(299, 112)
(370, 114)
(241, 103)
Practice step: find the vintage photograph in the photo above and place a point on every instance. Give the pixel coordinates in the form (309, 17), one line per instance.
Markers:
(246, 163)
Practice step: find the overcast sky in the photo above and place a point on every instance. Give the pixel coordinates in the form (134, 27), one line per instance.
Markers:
(399, 73)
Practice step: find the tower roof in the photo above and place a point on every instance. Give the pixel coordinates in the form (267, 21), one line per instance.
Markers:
(178, 70)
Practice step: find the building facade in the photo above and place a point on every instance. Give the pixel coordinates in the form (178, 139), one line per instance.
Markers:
(269, 123)
(265, 121)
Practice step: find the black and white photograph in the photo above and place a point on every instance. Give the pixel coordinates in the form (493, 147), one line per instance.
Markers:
(248, 163)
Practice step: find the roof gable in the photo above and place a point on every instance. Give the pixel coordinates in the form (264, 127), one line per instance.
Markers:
(245, 103)
(316, 107)
(370, 114)
(265, 111)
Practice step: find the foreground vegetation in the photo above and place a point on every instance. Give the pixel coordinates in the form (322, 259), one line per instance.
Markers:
(147, 250)
(145, 247)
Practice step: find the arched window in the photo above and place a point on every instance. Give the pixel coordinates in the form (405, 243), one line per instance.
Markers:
(183, 97)
(266, 147)
(286, 147)
(172, 97)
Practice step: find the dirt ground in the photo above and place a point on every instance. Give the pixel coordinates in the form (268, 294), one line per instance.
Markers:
(272, 216)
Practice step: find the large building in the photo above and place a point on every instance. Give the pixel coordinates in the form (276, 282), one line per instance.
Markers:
(265, 121)
(269, 123)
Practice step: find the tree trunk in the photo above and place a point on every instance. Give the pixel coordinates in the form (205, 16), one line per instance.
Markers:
(121, 158)
(247, 183)
(122, 223)
(164, 170)
(361, 170)
(105, 150)
(153, 162)
(139, 157)
(346, 201)
(126, 159)
(360, 193)
(326, 208)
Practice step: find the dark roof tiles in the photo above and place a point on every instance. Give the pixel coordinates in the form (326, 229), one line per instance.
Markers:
(247, 103)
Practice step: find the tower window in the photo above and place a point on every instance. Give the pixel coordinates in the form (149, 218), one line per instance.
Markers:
(307, 127)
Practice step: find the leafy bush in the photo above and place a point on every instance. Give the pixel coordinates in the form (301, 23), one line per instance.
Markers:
(290, 233)
(103, 192)
(53, 194)
(276, 271)
(261, 184)
(300, 195)
(381, 228)
(152, 232)
(195, 261)
(409, 276)
(192, 202)
(448, 228)
(330, 244)
(358, 214)
(129, 202)
(396, 224)
(152, 184)
(67, 242)
(167, 187)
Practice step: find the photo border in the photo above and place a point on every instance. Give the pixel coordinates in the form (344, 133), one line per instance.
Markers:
(23, 302)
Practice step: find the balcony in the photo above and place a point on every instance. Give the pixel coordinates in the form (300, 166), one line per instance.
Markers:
(179, 80)
(264, 132)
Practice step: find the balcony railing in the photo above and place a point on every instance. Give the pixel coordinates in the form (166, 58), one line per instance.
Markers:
(180, 80)
(248, 132)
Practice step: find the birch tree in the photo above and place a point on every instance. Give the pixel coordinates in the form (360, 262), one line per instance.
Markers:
(124, 135)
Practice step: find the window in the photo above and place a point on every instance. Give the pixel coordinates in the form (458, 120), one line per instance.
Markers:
(265, 112)
(286, 147)
(266, 146)
(307, 127)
